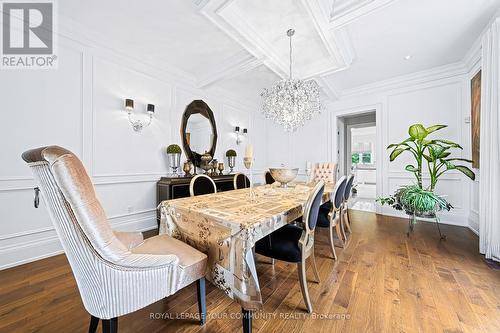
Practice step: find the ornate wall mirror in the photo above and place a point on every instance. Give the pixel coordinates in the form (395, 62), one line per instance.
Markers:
(198, 131)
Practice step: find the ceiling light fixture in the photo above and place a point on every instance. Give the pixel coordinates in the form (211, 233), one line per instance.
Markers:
(408, 57)
(291, 102)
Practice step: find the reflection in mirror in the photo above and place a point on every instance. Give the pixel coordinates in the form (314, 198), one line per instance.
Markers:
(199, 133)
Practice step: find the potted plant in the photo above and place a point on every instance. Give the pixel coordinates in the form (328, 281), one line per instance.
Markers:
(231, 159)
(420, 200)
(174, 157)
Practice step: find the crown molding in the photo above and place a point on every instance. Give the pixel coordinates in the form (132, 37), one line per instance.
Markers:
(329, 88)
(354, 10)
(76, 32)
(437, 73)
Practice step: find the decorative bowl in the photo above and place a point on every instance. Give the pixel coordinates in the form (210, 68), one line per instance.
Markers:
(283, 175)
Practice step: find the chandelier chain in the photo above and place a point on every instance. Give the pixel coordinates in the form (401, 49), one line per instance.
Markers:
(291, 102)
(290, 34)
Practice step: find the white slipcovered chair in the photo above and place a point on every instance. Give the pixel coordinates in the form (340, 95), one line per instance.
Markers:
(116, 272)
(323, 171)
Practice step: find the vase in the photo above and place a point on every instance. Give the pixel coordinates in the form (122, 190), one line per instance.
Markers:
(187, 169)
(231, 161)
(205, 162)
(174, 161)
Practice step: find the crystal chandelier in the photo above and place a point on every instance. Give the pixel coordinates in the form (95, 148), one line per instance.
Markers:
(291, 102)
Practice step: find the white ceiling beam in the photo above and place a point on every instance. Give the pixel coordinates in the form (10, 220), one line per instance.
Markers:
(353, 10)
(238, 64)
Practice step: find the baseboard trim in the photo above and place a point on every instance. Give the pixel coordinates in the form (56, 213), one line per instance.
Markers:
(476, 232)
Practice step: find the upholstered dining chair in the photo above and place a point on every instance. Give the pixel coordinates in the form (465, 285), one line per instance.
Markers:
(331, 218)
(294, 243)
(269, 178)
(345, 207)
(116, 272)
(323, 171)
(202, 184)
(240, 180)
(326, 172)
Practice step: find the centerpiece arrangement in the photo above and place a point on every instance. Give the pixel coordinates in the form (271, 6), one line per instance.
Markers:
(231, 159)
(174, 157)
(419, 199)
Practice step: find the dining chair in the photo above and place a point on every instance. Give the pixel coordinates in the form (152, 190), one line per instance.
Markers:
(240, 180)
(295, 243)
(116, 272)
(323, 171)
(269, 178)
(202, 184)
(326, 172)
(331, 218)
(345, 207)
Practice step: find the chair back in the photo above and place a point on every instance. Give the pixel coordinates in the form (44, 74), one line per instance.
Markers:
(338, 193)
(240, 180)
(269, 178)
(202, 184)
(92, 248)
(348, 187)
(323, 171)
(312, 206)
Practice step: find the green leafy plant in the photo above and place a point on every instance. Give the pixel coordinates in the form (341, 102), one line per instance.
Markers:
(174, 149)
(230, 153)
(435, 154)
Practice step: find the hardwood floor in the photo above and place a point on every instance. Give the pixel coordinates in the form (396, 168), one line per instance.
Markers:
(382, 282)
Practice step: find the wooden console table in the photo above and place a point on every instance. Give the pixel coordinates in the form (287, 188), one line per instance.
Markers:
(178, 187)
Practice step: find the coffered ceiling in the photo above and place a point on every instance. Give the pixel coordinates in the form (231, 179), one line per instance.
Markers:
(241, 45)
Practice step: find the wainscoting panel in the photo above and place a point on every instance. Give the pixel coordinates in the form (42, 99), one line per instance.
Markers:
(80, 106)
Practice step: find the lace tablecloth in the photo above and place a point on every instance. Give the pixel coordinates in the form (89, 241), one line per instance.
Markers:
(226, 225)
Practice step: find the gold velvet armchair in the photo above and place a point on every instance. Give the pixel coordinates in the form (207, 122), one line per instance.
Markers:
(116, 272)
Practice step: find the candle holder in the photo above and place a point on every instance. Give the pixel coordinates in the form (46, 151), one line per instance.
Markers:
(248, 161)
(220, 167)
(187, 169)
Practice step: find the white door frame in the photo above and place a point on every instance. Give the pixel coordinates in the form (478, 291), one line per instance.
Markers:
(349, 140)
(377, 108)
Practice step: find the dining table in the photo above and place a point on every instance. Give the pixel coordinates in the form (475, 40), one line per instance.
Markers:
(226, 225)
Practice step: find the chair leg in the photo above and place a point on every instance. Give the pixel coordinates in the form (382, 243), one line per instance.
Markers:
(202, 305)
(110, 325)
(332, 244)
(339, 234)
(347, 221)
(94, 322)
(247, 320)
(315, 268)
(303, 285)
(342, 225)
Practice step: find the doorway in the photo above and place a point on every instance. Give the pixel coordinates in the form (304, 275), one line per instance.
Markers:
(357, 155)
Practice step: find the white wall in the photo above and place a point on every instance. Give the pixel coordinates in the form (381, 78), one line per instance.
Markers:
(437, 96)
(80, 106)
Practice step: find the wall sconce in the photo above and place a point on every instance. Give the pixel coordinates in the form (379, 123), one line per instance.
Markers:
(138, 125)
(239, 134)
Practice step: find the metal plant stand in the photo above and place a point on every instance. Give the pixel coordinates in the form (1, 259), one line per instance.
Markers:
(411, 224)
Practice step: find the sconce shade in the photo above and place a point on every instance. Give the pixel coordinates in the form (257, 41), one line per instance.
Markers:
(245, 131)
(129, 104)
(237, 129)
(151, 108)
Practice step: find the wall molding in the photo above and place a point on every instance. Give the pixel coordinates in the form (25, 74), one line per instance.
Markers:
(28, 250)
(434, 74)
